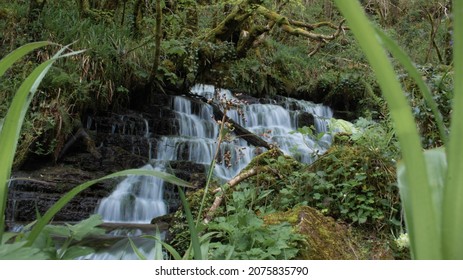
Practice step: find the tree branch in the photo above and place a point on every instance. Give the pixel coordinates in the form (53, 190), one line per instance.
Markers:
(240, 131)
(230, 184)
(295, 29)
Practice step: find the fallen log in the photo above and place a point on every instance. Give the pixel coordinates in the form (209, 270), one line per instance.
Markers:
(239, 130)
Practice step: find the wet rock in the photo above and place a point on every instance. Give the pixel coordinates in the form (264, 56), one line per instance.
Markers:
(305, 119)
(38, 191)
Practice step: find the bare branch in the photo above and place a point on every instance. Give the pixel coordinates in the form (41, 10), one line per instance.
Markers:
(230, 184)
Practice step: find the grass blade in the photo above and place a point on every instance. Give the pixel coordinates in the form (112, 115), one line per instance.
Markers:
(46, 218)
(169, 248)
(17, 54)
(191, 225)
(13, 122)
(158, 255)
(423, 232)
(453, 193)
(136, 251)
(406, 62)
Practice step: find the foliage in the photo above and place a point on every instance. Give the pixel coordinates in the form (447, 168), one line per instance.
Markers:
(243, 235)
(29, 245)
(430, 182)
(439, 81)
(354, 180)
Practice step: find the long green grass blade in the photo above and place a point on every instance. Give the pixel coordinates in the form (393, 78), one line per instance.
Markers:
(424, 234)
(17, 54)
(136, 251)
(192, 227)
(407, 63)
(158, 254)
(169, 248)
(46, 218)
(453, 194)
(12, 126)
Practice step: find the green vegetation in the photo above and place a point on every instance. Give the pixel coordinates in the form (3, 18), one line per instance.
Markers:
(129, 56)
(28, 244)
(430, 182)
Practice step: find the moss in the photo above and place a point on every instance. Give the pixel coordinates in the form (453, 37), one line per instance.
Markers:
(263, 159)
(324, 239)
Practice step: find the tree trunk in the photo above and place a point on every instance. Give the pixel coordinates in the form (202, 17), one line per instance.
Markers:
(158, 37)
(35, 8)
(229, 28)
(137, 18)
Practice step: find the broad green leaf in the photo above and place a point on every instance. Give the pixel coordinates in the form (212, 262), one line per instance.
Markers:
(74, 252)
(87, 227)
(7, 236)
(19, 251)
(436, 165)
(58, 230)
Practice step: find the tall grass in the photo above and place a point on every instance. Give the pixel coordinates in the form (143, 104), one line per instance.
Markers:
(430, 182)
(10, 129)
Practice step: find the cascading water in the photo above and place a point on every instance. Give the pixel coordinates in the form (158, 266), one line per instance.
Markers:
(138, 199)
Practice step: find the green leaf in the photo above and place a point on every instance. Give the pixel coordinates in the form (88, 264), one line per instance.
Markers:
(169, 248)
(453, 193)
(19, 251)
(136, 251)
(87, 227)
(58, 230)
(74, 252)
(158, 255)
(191, 225)
(436, 165)
(17, 54)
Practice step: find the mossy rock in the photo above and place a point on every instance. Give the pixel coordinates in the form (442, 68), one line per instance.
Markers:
(324, 239)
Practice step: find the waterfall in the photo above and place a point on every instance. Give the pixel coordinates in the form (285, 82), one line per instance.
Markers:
(138, 199)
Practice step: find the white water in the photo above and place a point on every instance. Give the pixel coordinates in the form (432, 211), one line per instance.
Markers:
(138, 199)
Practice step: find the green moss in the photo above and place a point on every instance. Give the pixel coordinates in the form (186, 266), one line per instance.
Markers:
(324, 239)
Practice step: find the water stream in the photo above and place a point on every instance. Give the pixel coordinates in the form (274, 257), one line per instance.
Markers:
(138, 199)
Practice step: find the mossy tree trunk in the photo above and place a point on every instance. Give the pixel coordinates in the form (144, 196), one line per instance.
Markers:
(229, 28)
(157, 41)
(35, 8)
(85, 11)
(137, 17)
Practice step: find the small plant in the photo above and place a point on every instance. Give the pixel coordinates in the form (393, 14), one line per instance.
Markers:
(242, 234)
